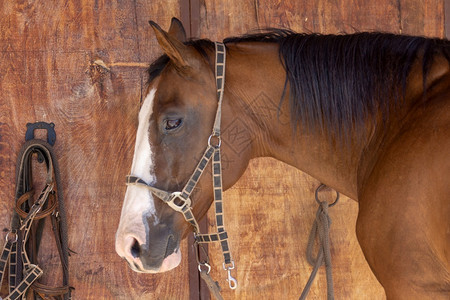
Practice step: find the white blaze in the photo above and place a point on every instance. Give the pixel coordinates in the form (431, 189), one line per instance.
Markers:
(138, 200)
(142, 161)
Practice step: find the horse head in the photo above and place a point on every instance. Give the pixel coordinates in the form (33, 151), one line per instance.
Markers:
(175, 123)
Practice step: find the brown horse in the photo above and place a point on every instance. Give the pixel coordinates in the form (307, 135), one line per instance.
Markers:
(368, 114)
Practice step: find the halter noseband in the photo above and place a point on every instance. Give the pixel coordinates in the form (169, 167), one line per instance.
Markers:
(181, 202)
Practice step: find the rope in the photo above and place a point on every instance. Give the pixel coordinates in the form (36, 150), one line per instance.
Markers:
(213, 286)
(320, 231)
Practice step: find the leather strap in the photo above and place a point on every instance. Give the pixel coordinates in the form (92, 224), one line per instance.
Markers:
(221, 234)
(21, 248)
(220, 83)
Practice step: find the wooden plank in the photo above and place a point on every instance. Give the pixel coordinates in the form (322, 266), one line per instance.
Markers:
(47, 51)
(197, 288)
(225, 18)
(269, 244)
(185, 16)
(195, 18)
(422, 17)
(447, 18)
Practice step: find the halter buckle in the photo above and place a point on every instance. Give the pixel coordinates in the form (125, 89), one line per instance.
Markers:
(178, 203)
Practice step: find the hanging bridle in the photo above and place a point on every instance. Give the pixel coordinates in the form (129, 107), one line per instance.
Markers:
(181, 202)
(23, 240)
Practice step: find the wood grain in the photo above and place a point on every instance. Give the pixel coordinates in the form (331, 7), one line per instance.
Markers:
(47, 51)
(47, 73)
(220, 19)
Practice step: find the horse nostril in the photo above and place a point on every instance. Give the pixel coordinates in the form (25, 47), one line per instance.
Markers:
(135, 249)
(171, 245)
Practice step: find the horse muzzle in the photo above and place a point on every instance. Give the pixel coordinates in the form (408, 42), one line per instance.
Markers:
(162, 254)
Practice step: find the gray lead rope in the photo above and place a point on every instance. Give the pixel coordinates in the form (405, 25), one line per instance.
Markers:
(320, 230)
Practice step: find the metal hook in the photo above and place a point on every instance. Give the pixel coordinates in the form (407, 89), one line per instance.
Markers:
(232, 282)
(198, 246)
(200, 265)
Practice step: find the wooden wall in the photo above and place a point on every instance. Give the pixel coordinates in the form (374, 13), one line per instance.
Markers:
(47, 73)
(47, 50)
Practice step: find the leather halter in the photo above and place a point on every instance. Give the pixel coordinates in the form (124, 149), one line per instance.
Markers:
(180, 201)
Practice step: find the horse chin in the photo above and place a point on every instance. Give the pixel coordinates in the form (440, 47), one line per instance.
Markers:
(170, 262)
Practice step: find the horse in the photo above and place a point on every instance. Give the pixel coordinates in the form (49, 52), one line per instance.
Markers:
(367, 114)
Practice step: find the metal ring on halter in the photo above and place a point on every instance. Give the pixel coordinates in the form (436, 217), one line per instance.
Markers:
(12, 241)
(317, 195)
(218, 138)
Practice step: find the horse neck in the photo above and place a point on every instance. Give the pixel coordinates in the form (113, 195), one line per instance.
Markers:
(255, 82)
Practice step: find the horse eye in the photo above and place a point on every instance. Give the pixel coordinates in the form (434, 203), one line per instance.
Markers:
(172, 124)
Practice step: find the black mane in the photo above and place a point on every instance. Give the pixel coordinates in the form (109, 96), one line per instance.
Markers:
(336, 82)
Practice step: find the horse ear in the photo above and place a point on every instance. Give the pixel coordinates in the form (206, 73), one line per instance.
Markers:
(177, 30)
(174, 48)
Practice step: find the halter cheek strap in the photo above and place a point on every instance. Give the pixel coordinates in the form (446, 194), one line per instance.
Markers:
(181, 202)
